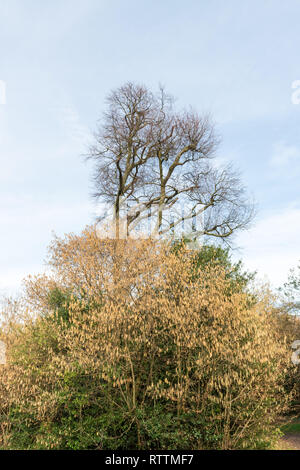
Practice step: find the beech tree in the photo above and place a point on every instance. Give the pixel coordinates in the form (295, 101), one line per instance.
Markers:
(155, 158)
(123, 355)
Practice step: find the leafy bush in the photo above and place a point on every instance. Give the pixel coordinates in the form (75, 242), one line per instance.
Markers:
(129, 349)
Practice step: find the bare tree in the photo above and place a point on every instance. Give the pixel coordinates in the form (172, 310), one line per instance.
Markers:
(157, 157)
(123, 144)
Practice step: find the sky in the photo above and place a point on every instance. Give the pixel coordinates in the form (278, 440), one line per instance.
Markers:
(238, 60)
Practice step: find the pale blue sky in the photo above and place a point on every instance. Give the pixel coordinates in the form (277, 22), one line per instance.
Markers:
(59, 58)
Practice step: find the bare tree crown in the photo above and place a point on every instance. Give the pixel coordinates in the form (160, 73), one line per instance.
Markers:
(148, 153)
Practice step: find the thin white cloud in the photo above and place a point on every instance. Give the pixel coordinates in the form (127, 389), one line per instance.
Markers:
(272, 246)
(73, 127)
(284, 155)
(26, 231)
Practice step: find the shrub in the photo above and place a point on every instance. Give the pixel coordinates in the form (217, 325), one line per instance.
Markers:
(130, 350)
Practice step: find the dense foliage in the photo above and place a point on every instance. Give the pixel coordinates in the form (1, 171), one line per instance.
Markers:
(131, 344)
